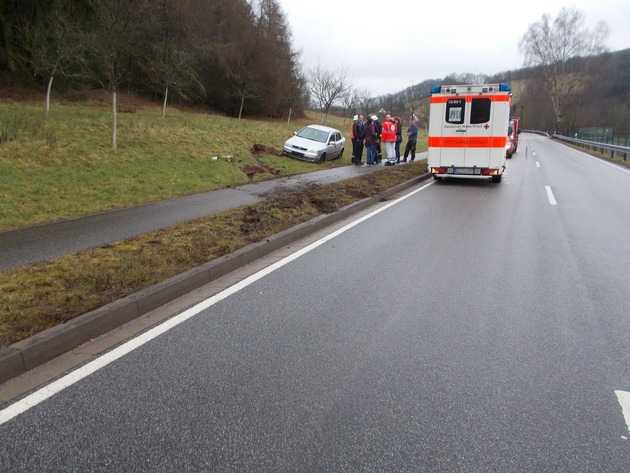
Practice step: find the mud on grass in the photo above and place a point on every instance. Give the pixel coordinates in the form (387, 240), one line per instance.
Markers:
(43, 295)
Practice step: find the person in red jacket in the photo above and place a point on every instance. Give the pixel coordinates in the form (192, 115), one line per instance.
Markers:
(388, 137)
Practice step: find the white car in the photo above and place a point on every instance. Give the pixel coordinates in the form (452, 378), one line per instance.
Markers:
(316, 143)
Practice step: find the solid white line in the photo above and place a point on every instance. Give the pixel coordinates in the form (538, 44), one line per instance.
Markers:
(550, 196)
(537, 164)
(624, 399)
(102, 361)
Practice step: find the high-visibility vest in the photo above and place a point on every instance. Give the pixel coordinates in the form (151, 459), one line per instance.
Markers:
(389, 131)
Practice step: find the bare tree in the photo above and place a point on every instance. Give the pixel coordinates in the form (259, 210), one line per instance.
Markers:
(350, 101)
(50, 46)
(171, 64)
(550, 44)
(112, 44)
(327, 88)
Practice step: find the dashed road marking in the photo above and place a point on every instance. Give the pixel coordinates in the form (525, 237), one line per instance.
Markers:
(624, 400)
(537, 164)
(550, 196)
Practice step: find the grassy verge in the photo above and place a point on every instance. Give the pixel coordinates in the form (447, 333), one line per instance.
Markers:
(46, 294)
(606, 156)
(65, 167)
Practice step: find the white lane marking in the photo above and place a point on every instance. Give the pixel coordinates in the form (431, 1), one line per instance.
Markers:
(102, 361)
(624, 399)
(550, 196)
(537, 164)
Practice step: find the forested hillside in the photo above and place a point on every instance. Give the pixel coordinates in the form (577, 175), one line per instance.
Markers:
(229, 55)
(599, 98)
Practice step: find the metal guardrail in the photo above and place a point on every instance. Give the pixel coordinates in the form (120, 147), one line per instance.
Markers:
(537, 132)
(597, 146)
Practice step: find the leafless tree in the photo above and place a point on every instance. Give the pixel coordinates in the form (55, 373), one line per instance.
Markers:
(239, 62)
(171, 64)
(50, 46)
(112, 44)
(327, 87)
(550, 44)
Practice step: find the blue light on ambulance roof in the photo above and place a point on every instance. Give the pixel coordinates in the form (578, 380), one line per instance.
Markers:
(436, 89)
(505, 88)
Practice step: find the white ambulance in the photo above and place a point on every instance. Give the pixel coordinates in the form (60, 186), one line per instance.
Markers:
(468, 131)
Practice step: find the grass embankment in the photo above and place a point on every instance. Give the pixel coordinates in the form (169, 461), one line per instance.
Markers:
(47, 294)
(65, 167)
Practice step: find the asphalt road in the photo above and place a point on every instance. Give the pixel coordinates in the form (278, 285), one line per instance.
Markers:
(470, 328)
(46, 242)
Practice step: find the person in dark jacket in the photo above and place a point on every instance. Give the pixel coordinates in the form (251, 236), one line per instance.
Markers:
(412, 139)
(379, 129)
(399, 138)
(358, 138)
(371, 138)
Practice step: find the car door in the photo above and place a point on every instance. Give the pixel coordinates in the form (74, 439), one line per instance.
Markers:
(338, 144)
(331, 149)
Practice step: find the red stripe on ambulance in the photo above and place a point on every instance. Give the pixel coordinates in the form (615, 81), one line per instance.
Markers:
(468, 98)
(467, 141)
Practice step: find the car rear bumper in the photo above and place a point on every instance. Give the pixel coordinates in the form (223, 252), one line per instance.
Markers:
(463, 176)
(466, 173)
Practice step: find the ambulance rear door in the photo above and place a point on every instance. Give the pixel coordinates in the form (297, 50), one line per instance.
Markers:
(479, 131)
(453, 139)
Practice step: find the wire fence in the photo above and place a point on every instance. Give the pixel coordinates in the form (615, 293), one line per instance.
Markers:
(608, 139)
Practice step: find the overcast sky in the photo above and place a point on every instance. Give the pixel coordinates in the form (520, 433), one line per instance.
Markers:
(387, 45)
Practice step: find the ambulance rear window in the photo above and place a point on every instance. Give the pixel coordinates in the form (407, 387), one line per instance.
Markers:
(455, 109)
(480, 111)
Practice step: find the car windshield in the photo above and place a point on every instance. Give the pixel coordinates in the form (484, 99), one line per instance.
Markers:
(313, 134)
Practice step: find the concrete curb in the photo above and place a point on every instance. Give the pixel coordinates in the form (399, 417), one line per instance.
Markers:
(42, 347)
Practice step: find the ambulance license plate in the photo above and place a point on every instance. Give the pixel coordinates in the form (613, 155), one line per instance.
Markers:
(465, 171)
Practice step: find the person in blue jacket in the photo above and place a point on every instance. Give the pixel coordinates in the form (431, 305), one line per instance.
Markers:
(412, 139)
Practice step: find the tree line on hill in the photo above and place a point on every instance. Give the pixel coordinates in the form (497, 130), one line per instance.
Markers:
(570, 81)
(230, 55)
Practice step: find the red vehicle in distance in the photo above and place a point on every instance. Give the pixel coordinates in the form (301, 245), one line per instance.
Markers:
(513, 132)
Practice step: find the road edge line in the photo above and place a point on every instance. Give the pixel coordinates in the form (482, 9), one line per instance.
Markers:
(40, 348)
(40, 395)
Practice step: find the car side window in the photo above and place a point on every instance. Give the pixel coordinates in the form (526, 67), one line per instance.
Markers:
(338, 137)
(455, 109)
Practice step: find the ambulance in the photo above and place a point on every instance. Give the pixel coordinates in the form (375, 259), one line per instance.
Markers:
(468, 131)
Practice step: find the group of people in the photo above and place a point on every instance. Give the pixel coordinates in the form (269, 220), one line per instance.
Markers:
(370, 134)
